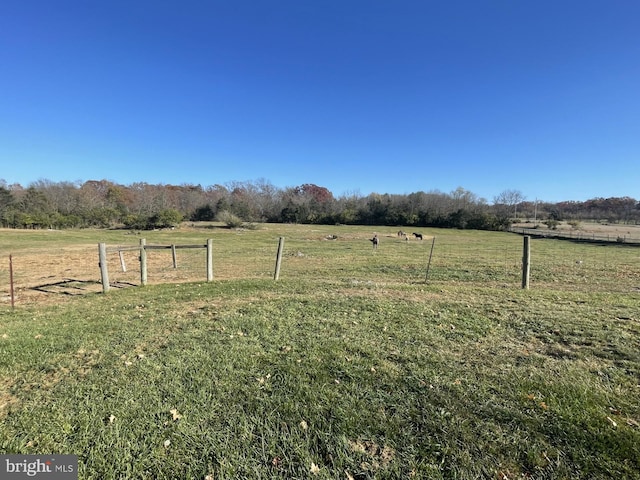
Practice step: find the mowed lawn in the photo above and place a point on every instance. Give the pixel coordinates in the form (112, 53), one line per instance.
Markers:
(355, 364)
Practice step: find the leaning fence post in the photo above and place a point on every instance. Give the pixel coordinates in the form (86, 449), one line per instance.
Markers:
(173, 255)
(276, 275)
(102, 262)
(143, 262)
(426, 276)
(209, 259)
(123, 265)
(526, 259)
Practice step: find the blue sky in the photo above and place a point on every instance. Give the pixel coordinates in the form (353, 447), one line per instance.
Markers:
(358, 96)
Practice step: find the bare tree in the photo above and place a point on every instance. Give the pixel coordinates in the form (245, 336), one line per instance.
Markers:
(510, 199)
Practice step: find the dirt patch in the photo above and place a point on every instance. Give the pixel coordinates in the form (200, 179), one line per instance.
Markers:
(375, 457)
(7, 400)
(53, 277)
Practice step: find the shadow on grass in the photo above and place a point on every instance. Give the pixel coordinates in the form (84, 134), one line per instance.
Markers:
(70, 286)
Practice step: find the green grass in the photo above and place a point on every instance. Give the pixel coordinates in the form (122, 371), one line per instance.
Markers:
(351, 366)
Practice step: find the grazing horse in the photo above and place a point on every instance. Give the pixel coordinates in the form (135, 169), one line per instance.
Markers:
(402, 234)
(417, 235)
(375, 241)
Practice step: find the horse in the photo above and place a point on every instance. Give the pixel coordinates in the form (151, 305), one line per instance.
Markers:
(418, 235)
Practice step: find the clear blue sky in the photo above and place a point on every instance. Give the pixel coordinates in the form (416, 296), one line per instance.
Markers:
(354, 95)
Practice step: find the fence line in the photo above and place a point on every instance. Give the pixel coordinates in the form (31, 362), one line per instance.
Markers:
(103, 251)
(576, 236)
(489, 259)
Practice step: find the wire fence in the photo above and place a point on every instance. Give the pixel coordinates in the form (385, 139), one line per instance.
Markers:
(630, 237)
(554, 263)
(165, 263)
(41, 274)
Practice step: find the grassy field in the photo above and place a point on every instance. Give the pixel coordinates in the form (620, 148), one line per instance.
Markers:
(350, 366)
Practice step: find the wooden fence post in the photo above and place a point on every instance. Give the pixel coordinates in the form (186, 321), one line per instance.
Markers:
(11, 289)
(209, 260)
(102, 262)
(426, 276)
(173, 255)
(276, 275)
(526, 259)
(123, 265)
(143, 261)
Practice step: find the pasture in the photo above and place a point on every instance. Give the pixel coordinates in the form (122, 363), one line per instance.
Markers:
(355, 364)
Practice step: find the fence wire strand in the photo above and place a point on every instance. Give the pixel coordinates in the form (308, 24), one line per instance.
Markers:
(456, 258)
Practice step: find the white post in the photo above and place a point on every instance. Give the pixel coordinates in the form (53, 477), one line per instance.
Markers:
(276, 275)
(209, 260)
(143, 262)
(122, 264)
(102, 262)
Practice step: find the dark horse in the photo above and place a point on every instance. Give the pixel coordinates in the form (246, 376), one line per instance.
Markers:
(418, 235)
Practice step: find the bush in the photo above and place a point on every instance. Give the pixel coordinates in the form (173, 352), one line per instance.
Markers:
(229, 219)
(136, 222)
(575, 224)
(203, 214)
(166, 218)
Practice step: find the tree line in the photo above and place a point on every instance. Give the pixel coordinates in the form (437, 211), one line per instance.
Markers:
(105, 204)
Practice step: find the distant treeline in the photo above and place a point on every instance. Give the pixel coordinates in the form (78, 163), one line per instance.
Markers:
(101, 203)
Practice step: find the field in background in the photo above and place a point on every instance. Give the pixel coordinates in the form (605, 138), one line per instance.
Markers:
(350, 366)
(583, 231)
(52, 264)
